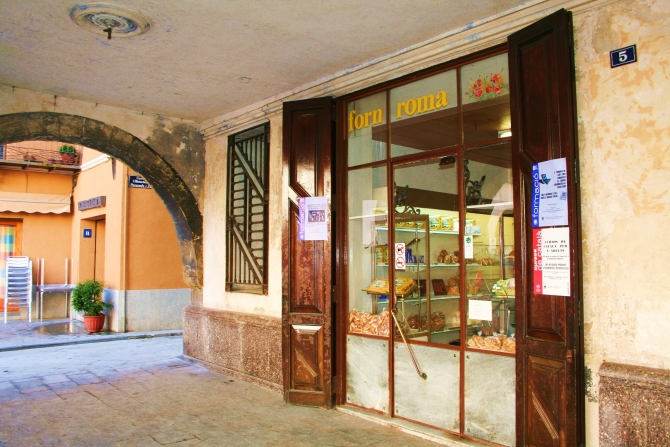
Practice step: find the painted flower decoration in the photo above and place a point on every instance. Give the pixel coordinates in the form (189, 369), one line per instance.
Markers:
(487, 87)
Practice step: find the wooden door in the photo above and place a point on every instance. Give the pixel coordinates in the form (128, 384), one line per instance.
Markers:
(99, 264)
(550, 390)
(306, 288)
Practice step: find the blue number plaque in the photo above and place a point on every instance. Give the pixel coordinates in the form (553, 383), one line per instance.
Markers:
(623, 56)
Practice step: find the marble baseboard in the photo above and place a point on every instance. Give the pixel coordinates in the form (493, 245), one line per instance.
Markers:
(241, 345)
(634, 406)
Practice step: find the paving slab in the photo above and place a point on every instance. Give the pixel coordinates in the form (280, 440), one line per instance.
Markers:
(21, 334)
(143, 392)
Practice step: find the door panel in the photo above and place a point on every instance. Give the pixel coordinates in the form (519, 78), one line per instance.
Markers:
(546, 379)
(306, 286)
(305, 296)
(550, 399)
(307, 353)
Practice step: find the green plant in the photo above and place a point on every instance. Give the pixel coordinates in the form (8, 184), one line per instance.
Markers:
(67, 149)
(87, 298)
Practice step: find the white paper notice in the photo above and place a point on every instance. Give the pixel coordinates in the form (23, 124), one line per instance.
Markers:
(549, 202)
(469, 247)
(556, 261)
(480, 310)
(316, 219)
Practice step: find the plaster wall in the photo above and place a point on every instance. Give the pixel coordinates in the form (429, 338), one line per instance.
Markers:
(624, 129)
(177, 141)
(153, 257)
(44, 235)
(98, 181)
(214, 231)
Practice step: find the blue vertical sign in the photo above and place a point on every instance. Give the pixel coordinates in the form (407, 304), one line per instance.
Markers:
(535, 196)
(88, 232)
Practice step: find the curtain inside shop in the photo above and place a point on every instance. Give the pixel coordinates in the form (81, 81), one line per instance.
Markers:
(7, 248)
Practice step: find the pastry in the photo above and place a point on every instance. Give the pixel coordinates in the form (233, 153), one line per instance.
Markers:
(492, 343)
(453, 282)
(476, 342)
(413, 321)
(437, 321)
(453, 291)
(509, 345)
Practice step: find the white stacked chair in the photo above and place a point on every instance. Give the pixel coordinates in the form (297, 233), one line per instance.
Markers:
(18, 284)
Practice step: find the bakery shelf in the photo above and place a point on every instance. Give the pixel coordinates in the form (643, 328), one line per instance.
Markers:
(385, 228)
(439, 264)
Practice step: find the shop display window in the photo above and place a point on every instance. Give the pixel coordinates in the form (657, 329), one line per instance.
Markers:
(429, 229)
(491, 308)
(367, 129)
(424, 115)
(430, 250)
(367, 248)
(485, 98)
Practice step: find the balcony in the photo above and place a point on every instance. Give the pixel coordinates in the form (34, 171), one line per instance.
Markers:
(40, 156)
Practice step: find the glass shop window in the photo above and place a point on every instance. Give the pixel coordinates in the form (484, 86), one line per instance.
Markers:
(367, 129)
(424, 115)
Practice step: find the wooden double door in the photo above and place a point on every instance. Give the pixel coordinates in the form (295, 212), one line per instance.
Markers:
(549, 359)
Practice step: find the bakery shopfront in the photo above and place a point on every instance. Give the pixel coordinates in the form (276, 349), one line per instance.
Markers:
(433, 318)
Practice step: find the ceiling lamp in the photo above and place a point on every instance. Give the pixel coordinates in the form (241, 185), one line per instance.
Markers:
(110, 20)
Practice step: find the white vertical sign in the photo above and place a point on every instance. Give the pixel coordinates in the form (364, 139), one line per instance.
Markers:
(556, 261)
(469, 247)
(399, 256)
(315, 218)
(549, 196)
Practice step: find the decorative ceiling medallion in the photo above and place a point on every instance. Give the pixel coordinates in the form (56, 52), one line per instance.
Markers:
(110, 20)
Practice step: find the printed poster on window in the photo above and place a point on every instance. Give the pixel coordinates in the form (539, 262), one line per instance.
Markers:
(551, 261)
(549, 203)
(313, 214)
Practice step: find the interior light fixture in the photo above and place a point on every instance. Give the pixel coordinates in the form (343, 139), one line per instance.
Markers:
(505, 133)
(110, 20)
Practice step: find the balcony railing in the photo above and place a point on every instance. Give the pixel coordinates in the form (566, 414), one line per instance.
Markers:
(19, 154)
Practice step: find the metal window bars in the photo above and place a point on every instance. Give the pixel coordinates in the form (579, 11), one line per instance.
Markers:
(18, 285)
(247, 209)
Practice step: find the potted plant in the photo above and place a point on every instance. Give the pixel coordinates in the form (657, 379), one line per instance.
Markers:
(68, 154)
(87, 298)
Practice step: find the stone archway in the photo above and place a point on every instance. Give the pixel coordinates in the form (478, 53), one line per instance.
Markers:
(136, 154)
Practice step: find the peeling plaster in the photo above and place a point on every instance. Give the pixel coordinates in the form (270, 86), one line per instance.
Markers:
(624, 129)
(183, 147)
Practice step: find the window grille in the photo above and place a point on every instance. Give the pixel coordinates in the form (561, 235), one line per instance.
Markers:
(247, 212)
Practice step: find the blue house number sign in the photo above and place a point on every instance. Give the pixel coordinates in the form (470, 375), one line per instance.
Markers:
(88, 232)
(623, 56)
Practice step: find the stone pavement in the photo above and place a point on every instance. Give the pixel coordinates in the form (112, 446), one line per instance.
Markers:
(19, 334)
(142, 392)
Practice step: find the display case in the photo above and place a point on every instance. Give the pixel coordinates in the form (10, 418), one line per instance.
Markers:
(428, 288)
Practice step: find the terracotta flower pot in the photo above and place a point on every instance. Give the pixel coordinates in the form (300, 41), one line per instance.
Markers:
(94, 323)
